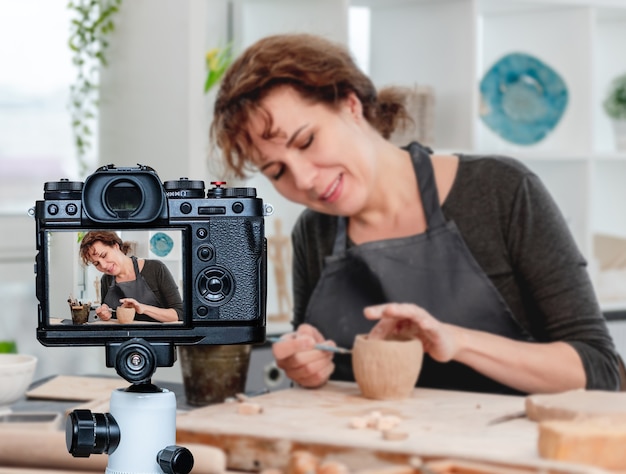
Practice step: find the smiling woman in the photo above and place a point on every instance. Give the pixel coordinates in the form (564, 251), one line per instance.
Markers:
(467, 253)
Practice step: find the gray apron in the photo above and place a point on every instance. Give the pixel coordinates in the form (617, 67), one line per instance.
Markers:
(434, 270)
(137, 289)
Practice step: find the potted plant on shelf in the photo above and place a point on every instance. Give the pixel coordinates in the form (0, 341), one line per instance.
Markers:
(615, 108)
(217, 61)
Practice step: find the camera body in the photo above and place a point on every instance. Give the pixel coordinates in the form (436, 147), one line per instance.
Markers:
(221, 239)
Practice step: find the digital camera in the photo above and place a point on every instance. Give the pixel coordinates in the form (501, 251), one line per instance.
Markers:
(212, 241)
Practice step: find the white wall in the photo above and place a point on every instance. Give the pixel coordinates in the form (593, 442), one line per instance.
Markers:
(153, 109)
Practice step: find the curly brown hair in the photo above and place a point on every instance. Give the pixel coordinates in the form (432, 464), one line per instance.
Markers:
(106, 237)
(320, 70)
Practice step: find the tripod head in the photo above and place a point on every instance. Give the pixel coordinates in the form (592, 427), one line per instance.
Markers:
(139, 433)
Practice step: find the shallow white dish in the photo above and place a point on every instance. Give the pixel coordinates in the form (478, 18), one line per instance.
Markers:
(16, 374)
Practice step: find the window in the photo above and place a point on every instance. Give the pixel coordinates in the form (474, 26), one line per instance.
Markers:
(36, 71)
(359, 36)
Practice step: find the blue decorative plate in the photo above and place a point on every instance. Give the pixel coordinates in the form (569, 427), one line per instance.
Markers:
(523, 99)
(161, 244)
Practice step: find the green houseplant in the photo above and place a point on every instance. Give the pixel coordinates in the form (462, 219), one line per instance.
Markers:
(90, 29)
(217, 61)
(615, 107)
(615, 102)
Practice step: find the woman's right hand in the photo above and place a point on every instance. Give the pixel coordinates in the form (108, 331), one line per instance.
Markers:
(103, 312)
(296, 355)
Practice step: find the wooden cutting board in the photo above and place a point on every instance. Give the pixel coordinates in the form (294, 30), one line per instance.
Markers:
(584, 426)
(577, 404)
(16, 470)
(28, 449)
(67, 387)
(439, 424)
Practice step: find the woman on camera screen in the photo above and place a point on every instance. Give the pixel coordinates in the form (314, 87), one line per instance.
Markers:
(143, 284)
(470, 254)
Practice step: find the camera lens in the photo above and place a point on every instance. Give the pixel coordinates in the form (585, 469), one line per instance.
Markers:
(123, 197)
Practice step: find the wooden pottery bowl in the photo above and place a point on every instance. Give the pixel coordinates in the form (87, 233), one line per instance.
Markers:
(125, 315)
(386, 369)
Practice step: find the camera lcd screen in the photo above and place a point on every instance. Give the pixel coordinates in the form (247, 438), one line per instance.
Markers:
(75, 291)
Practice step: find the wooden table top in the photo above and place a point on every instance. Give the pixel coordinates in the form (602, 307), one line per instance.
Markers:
(438, 424)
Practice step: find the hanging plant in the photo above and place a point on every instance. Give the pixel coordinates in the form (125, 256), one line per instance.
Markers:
(217, 62)
(90, 28)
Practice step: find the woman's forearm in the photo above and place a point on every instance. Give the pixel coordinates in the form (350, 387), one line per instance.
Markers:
(165, 315)
(526, 366)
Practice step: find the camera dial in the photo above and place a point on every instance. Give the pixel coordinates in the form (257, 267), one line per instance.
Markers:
(220, 190)
(62, 190)
(215, 285)
(184, 188)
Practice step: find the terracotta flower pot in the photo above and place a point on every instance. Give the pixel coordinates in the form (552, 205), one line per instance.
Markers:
(386, 369)
(125, 315)
(211, 374)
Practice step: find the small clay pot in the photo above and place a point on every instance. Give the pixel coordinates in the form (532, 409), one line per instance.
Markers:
(125, 315)
(80, 314)
(386, 369)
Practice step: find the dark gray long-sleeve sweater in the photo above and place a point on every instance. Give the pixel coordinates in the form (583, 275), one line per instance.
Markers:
(160, 281)
(520, 239)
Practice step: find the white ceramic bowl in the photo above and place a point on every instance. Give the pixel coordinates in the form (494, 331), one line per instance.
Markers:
(16, 374)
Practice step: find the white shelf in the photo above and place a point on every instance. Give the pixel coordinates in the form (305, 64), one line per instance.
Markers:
(450, 45)
(609, 306)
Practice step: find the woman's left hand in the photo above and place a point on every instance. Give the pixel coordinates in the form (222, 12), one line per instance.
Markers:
(408, 320)
(164, 315)
(132, 303)
(529, 367)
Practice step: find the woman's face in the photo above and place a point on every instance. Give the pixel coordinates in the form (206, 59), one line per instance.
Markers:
(105, 258)
(316, 156)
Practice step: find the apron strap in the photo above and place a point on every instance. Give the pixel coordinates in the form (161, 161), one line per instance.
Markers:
(135, 266)
(427, 185)
(420, 156)
(341, 236)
